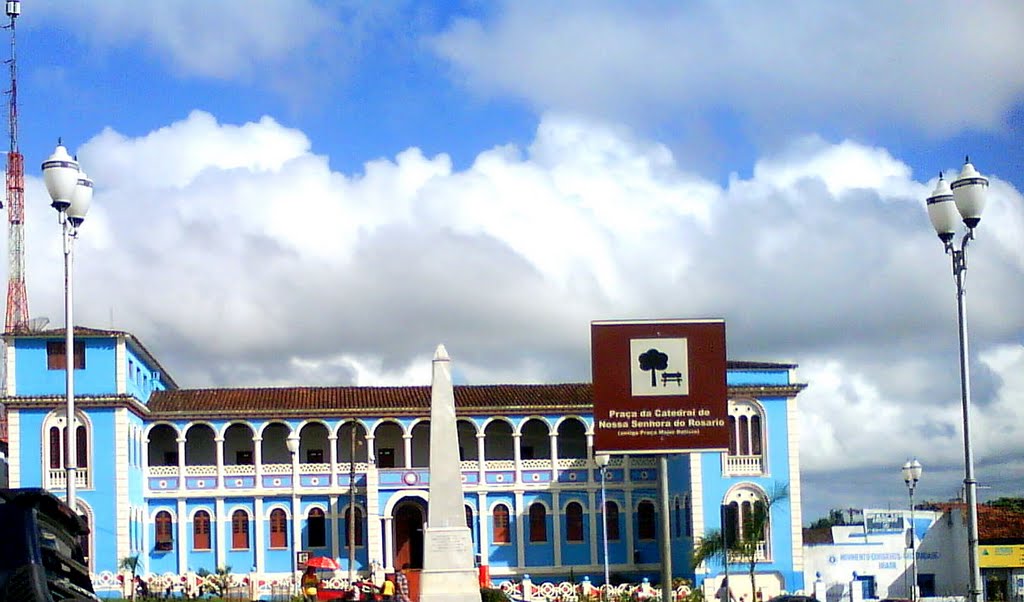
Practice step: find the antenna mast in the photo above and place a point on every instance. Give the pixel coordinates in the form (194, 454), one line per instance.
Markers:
(17, 298)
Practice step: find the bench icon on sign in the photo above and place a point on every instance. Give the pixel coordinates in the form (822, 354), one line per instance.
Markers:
(671, 377)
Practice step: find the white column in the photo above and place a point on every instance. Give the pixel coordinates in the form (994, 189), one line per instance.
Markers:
(145, 463)
(257, 459)
(371, 451)
(482, 514)
(481, 456)
(332, 440)
(218, 444)
(221, 524)
(407, 442)
(332, 516)
(260, 528)
(554, 457)
(520, 518)
(590, 445)
(296, 528)
(182, 543)
(181, 463)
(517, 455)
(556, 525)
(389, 544)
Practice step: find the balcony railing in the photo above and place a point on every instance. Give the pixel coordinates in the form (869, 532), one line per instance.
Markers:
(744, 465)
(761, 554)
(58, 478)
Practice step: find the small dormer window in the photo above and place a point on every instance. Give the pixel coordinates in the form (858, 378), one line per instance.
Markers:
(56, 359)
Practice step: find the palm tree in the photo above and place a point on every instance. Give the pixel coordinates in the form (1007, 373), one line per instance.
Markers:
(743, 549)
(130, 563)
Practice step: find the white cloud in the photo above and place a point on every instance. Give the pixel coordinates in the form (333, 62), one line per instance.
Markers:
(778, 63)
(241, 258)
(220, 38)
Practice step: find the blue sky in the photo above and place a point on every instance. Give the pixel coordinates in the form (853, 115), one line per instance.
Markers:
(321, 195)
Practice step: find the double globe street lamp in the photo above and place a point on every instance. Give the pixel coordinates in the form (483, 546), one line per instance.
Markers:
(963, 200)
(911, 475)
(71, 194)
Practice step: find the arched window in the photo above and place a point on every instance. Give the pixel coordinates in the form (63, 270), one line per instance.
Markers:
(201, 530)
(239, 530)
(55, 436)
(499, 520)
(81, 447)
(574, 522)
(164, 531)
(746, 519)
(688, 514)
(611, 520)
(538, 523)
(316, 524)
(56, 448)
(278, 529)
(746, 437)
(358, 532)
(678, 507)
(645, 520)
(469, 518)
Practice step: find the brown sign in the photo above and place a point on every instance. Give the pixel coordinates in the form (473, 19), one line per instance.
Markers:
(659, 386)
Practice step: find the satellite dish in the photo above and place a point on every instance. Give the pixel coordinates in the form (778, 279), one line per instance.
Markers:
(37, 324)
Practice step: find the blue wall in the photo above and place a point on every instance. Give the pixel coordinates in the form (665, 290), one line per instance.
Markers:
(33, 378)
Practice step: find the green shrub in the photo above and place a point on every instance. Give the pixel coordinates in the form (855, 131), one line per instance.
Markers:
(488, 594)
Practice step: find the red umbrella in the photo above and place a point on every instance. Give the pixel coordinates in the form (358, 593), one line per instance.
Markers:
(322, 562)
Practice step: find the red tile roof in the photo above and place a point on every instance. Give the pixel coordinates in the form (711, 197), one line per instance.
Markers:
(571, 397)
(350, 400)
(994, 523)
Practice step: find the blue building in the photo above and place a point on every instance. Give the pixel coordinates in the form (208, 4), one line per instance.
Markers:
(192, 479)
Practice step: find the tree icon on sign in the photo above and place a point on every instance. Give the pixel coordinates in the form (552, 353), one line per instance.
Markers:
(653, 360)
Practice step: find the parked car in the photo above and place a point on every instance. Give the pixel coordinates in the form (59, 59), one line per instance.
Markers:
(43, 559)
(793, 598)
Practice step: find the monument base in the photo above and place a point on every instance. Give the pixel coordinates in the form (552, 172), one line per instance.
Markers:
(448, 573)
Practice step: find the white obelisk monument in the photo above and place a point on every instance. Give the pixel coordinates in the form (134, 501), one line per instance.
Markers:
(448, 572)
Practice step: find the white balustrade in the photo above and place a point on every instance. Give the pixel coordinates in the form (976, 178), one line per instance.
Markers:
(58, 478)
(201, 471)
(163, 471)
(503, 464)
(239, 469)
(744, 465)
(536, 464)
(573, 462)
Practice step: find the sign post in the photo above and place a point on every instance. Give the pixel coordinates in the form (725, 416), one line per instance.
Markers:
(659, 389)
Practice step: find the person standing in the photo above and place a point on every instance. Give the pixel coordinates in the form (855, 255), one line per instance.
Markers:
(387, 590)
(724, 593)
(310, 584)
(401, 585)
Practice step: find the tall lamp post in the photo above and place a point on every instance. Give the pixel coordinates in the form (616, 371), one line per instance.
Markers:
(602, 461)
(71, 194)
(911, 474)
(964, 199)
(292, 442)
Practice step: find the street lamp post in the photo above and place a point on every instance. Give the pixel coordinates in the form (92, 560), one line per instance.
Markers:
(911, 474)
(352, 505)
(964, 199)
(293, 443)
(71, 194)
(602, 461)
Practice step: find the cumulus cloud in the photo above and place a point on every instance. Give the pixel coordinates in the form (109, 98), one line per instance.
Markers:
(775, 63)
(241, 258)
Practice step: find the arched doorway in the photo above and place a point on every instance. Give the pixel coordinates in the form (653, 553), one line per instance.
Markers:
(409, 519)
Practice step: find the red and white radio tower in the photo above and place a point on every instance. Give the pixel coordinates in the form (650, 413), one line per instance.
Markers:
(17, 298)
